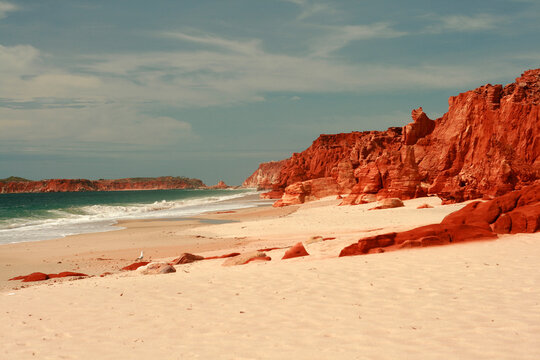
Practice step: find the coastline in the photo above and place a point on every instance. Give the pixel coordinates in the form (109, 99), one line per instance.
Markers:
(82, 252)
(464, 301)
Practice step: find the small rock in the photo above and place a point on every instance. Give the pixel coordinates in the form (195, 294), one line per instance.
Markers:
(314, 239)
(296, 251)
(186, 258)
(243, 258)
(156, 268)
(388, 204)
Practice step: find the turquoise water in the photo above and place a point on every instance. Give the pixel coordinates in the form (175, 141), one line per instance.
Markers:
(31, 217)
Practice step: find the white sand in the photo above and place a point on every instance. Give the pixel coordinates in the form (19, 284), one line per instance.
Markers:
(324, 218)
(476, 300)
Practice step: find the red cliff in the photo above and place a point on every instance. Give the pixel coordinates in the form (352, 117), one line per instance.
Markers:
(265, 176)
(65, 185)
(487, 144)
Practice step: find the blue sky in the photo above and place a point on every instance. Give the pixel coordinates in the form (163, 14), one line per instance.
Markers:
(209, 89)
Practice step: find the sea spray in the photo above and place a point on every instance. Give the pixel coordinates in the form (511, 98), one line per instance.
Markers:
(32, 217)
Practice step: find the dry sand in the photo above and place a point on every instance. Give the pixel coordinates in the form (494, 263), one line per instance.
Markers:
(467, 301)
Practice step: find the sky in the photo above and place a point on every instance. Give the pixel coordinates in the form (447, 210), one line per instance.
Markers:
(210, 89)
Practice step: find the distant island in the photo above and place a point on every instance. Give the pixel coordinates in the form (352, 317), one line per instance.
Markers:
(15, 184)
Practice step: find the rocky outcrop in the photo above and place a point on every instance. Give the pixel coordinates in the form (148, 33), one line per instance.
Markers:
(265, 176)
(300, 192)
(65, 185)
(487, 144)
(220, 185)
(514, 212)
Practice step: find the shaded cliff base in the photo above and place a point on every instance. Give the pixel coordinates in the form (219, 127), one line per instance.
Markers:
(470, 300)
(485, 145)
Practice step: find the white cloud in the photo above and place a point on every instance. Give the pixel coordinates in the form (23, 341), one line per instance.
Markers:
(465, 23)
(114, 124)
(311, 8)
(218, 76)
(18, 59)
(338, 37)
(6, 7)
(247, 47)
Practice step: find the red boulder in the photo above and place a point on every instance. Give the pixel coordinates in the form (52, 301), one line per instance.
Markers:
(296, 250)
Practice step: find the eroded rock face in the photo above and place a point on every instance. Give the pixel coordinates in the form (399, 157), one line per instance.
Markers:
(265, 176)
(487, 144)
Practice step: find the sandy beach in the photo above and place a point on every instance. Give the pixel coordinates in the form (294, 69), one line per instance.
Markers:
(465, 301)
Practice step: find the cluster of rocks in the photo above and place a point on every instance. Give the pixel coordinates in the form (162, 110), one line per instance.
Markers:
(515, 212)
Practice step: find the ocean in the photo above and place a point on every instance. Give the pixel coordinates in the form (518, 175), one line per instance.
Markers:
(42, 216)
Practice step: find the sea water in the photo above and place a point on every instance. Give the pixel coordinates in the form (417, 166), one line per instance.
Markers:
(41, 216)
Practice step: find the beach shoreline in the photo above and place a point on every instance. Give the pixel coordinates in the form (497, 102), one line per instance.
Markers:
(466, 301)
(108, 251)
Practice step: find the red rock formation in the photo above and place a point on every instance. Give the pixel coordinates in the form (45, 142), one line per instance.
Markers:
(135, 266)
(421, 127)
(296, 250)
(265, 176)
(515, 212)
(186, 258)
(38, 276)
(64, 185)
(300, 192)
(220, 185)
(487, 144)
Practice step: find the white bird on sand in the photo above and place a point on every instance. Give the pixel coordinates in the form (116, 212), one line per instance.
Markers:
(140, 257)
